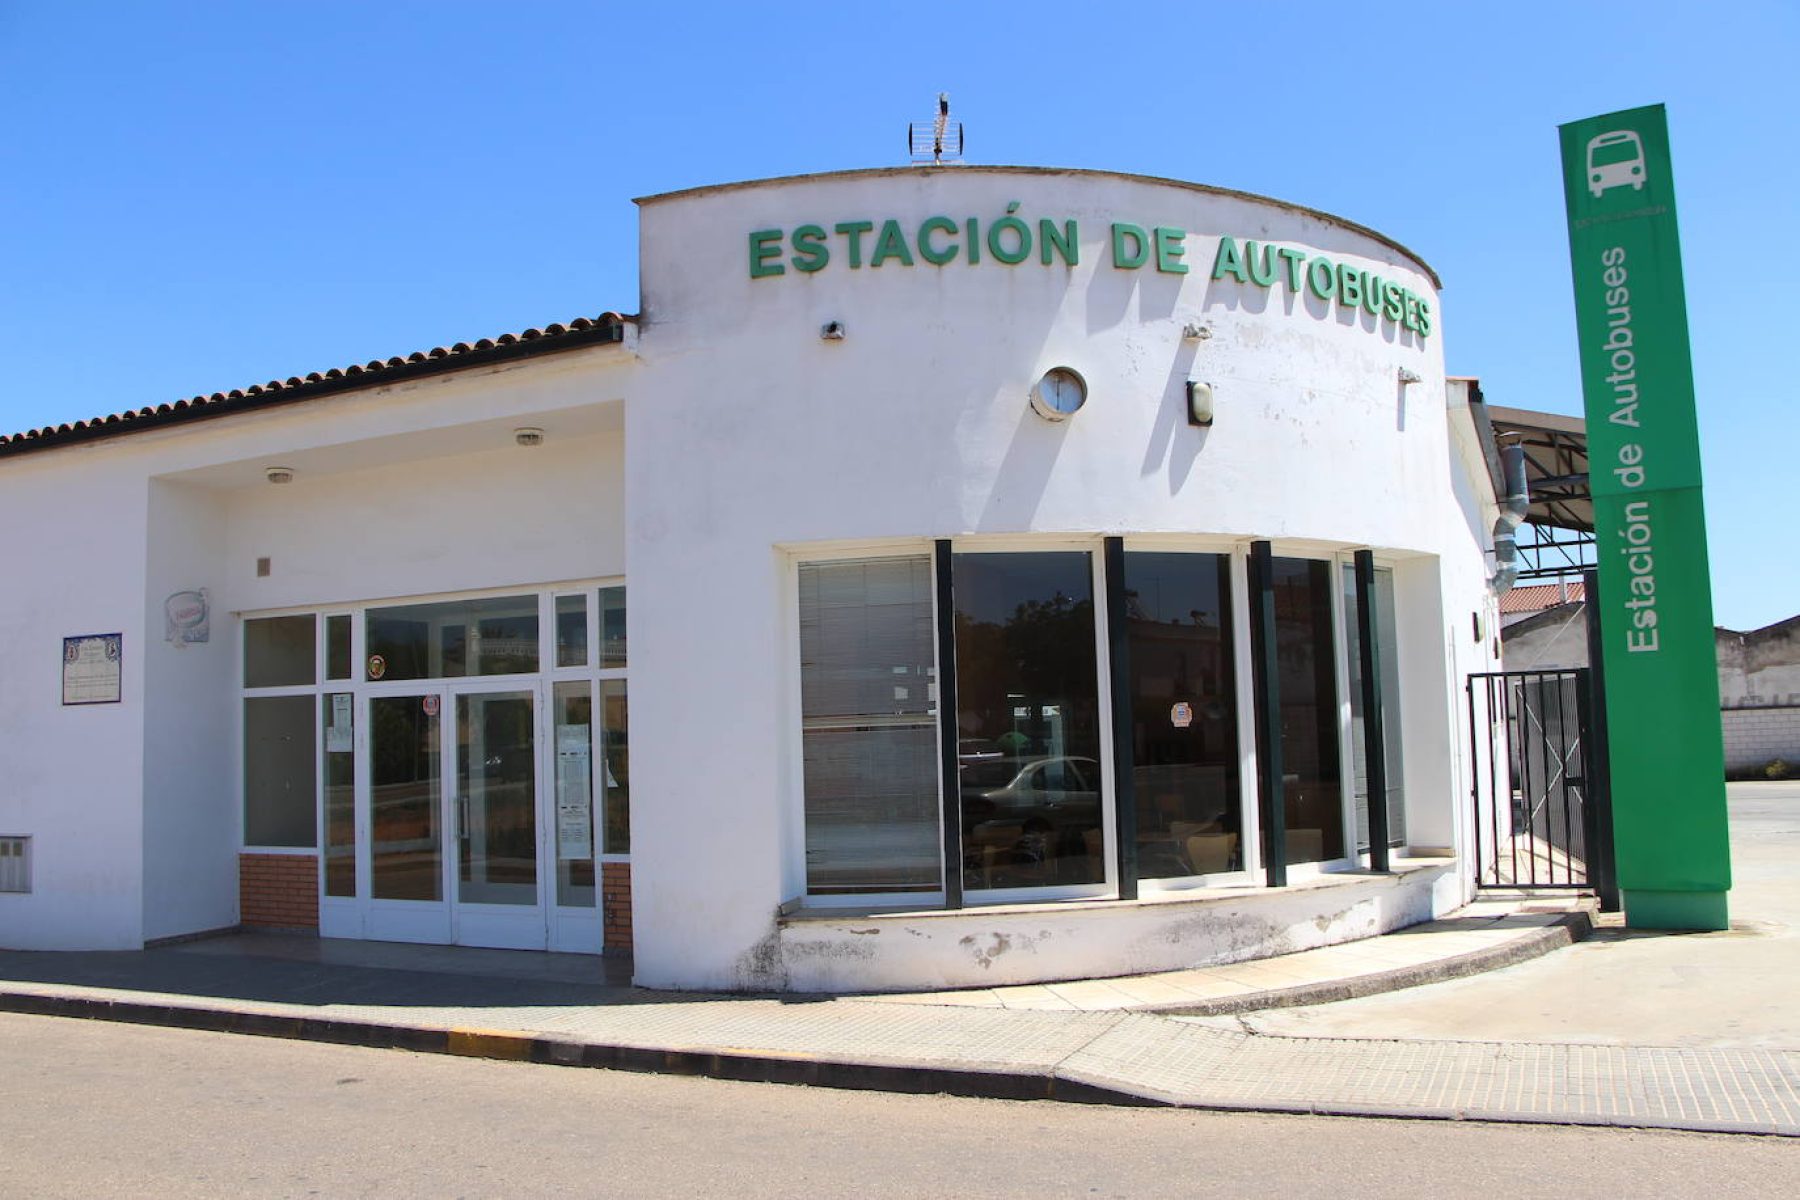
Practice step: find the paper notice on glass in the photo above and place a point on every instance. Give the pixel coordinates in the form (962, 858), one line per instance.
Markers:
(574, 793)
(338, 730)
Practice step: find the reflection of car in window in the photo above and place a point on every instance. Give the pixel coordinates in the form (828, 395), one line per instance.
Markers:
(1050, 792)
(1614, 160)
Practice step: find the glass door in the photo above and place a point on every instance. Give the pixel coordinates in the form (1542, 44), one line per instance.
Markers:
(403, 811)
(498, 886)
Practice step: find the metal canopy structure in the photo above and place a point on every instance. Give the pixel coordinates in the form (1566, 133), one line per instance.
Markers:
(1557, 539)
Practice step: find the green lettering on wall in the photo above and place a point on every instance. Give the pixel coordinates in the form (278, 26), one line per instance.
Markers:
(1228, 262)
(1138, 253)
(1321, 278)
(765, 248)
(930, 253)
(810, 251)
(891, 244)
(853, 231)
(1262, 273)
(1066, 243)
(1170, 246)
(1292, 258)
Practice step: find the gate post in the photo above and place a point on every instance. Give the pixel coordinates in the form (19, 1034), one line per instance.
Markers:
(1603, 871)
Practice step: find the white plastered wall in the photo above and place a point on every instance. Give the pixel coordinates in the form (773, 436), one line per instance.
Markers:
(751, 436)
(72, 524)
(399, 491)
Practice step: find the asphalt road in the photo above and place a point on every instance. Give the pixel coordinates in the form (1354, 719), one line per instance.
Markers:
(1731, 988)
(93, 1109)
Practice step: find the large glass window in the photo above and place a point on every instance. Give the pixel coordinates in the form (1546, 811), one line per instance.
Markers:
(1183, 714)
(453, 639)
(1028, 728)
(868, 705)
(280, 783)
(1387, 643)
(1304, 648)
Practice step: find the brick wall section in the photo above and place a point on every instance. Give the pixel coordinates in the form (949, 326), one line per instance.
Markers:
(279, 890)
(615, 904)
(1753, 736)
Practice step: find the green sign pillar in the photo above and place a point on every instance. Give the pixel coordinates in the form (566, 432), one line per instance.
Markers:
(1655, 604)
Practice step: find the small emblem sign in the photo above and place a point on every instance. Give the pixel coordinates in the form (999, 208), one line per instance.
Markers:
(377, 666)
(1181, 715)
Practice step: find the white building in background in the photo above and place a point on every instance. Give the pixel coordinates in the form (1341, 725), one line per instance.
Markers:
(1096, 453)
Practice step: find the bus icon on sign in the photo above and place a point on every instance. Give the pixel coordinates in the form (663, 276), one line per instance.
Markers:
(1614, 160)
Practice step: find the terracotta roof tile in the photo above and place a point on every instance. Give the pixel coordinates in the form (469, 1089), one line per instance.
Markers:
(1539, 596)
(582, 331)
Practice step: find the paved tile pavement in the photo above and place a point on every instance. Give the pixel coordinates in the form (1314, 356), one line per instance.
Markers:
(1094, 1039)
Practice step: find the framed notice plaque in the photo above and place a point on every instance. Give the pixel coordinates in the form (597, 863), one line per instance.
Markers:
(92, 668)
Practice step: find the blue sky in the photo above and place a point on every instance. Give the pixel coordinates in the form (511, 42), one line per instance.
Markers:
(201, 196)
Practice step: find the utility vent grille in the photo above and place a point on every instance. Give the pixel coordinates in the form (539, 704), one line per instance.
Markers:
(15, 864)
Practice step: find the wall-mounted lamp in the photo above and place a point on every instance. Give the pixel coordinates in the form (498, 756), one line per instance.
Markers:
(1199, 403)
(528, 435)
(1193, 331)
(832, 331)
(279, 474)
(1409, 376)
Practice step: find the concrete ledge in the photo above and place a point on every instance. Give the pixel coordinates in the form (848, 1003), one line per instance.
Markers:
(1564, 931)
(1054, 942)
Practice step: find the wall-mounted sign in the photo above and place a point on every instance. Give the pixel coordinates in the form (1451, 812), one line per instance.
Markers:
(187, 618)
(93, 667)
(1011, 240)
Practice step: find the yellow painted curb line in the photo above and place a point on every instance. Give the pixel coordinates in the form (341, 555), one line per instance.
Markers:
(489, 1043)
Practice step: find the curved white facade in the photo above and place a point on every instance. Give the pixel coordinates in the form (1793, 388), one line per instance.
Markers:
(699, 463)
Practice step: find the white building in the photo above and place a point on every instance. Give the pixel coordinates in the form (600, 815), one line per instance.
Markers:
(825, 476)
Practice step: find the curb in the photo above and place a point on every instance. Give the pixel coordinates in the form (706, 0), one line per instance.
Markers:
(508, 1046)
(1566, 930)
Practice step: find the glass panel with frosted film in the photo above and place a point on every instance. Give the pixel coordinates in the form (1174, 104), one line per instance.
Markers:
(869, 726)
(1309, 719)
(280, 780)
(336, 713)
(278, 651)
(405, 798)
(573, 719)
(1029, 722)
(496, 790)
(1183, 714)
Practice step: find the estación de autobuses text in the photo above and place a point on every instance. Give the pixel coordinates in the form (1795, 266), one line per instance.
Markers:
(1011, 240)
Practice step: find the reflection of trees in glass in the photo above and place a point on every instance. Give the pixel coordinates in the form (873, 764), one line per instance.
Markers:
(1043, 654)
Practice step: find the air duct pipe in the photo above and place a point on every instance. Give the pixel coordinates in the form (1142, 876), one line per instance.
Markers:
(1512, 513)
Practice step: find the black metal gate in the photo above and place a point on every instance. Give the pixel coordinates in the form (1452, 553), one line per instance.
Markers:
(1537, 782)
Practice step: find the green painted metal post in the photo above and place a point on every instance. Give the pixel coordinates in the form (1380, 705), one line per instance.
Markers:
(1655, 604)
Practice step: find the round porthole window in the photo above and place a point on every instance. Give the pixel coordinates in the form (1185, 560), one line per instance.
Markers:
(1059, 395)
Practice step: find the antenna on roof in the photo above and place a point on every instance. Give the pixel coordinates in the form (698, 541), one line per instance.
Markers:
(938, 141)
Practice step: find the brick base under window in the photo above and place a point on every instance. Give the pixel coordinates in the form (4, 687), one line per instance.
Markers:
(279, 891)
(615, 904)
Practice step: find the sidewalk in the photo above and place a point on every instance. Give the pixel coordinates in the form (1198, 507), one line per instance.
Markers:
(1112, 1041)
